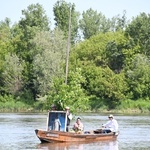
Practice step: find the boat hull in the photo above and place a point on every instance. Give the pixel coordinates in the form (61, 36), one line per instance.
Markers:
(59, 136)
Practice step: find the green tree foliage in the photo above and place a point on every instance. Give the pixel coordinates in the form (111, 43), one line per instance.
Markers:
(138, 77)
(71, 94)
(115, 87)
(5, 48)
(91, 51)
(139, 30)
(119, 22)
(93, 23)
(34, 20)
(34, 16)
(12, 74)
(5, 37)
(62, 12)
(101, 81)
(115, 51)
(120, 52)
(130, 49)
(49, 57)
(5, 30)
(104, 85)
(105, 49)
(105, 70)
(115, 56)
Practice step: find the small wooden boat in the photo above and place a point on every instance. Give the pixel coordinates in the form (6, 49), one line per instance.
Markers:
(56, 131)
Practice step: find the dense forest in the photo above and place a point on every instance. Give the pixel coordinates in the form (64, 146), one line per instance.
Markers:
(108, 61)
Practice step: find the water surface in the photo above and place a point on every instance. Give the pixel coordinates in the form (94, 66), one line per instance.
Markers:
(17, 132)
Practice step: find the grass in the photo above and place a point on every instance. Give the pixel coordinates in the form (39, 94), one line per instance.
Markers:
(126, 106)
(13, 106)
(138, 106)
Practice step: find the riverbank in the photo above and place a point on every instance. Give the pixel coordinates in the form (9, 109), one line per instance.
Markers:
(126, 107)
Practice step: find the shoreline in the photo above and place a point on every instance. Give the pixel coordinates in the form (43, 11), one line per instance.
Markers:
(127, 111)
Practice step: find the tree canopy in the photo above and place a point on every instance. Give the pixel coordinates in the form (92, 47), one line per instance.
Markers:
(108, 66)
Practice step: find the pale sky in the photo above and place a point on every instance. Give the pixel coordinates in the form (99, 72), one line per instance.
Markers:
(110, 8)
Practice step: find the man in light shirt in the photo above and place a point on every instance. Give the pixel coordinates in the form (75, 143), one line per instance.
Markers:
(111, 125)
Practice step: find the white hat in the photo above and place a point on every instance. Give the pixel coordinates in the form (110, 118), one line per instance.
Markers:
(110, 116)
(67, 107)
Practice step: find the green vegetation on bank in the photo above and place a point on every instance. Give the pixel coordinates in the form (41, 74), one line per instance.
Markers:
(109, 62)
(128, 107)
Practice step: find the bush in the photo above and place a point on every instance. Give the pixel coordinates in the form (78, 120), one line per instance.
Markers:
(139, 105)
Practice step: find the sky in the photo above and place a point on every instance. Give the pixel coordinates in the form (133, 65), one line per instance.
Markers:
(13, 8)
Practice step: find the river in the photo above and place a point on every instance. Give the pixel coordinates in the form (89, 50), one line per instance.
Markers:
(17, 132)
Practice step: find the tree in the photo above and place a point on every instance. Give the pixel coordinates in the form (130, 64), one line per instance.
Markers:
(62, 12)
(93, 23)
(139, 30)
(71, 94)
(105, 49)
(49, 59)
(12, 74)
(103, 84)
(119, 22)
(5, 39)
(34, 21)
(5, 48)
(5, 29)
(114, 87)
(115, 56)
(34, 16)
(138, 77)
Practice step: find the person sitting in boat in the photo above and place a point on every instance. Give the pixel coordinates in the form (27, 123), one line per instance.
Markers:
(78, 126)
(69, 118)
(111, 125)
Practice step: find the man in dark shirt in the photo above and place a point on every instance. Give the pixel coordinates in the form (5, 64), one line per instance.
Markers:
(69, 118)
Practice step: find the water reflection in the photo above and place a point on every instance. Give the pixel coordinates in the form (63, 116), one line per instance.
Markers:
(104, 145)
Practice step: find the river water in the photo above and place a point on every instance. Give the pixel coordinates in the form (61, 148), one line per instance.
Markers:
(17, 132)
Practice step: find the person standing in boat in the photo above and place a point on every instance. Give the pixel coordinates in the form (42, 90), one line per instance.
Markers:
(78, 126)
(69, 118)
(111, 125)
(53, 107)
